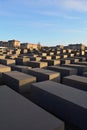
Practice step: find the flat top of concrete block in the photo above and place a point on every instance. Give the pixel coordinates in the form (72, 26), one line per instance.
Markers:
(38, 62)
(18, 113)
(3, 66)
(75, 65)
(21, 66)
(61, 68)
(7, 60)
(77, 78)
(19, 75)
(50, 60)
(85, 73)
(70, 94)
(44, 71)
(83, 62)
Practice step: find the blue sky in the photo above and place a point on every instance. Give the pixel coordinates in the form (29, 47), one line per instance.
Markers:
(49, 22)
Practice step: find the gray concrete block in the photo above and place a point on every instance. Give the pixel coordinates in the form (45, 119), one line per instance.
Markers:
(2, 56)
(35, 58)
(43, 74)
(81, 58)
(18, 81)
(85, 74)
(82, 63)
(64, 71)
(22, 60)
(63, 101)
(20, 68)
(65, 61)
(4, 68)
(63, 56)
(80, 68)
(51, 62)
(35, 64)
(74, 60)
(47, 57)
(7, 61)
(56, 57)
(75, 81)
(18, 113)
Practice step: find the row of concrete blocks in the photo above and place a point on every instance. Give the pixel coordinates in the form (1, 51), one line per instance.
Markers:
(18, 113)
(20, 79)
(55, 73)
(63, 101)
(21, 82)
(41, 63)
(44, 52)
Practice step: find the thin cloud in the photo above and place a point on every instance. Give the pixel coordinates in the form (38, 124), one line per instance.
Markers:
(73, 30)
(57, 14)
(76, 5)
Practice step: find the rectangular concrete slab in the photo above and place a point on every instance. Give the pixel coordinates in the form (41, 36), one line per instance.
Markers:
(18, 81)
(74, 60)
(47, 57)
(63, 101)
(76, 81)
(2, 56)
(7, 61)
(18, 113)
(80, 68)
(85, 74)
(56, 57)
(64, 71)
(35, 58)
(4, 68)
(51, 62)
(20, 68)
(82, 58)
(35, 64)
(22, 60)
(43, 74)
(82, 63)
(65, 61)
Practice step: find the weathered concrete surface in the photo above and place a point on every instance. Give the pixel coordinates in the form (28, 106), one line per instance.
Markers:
(51, 62)
(20, 68)
(35, 64)
(63, 101)
(22, 60)
(64, 71)
(81, 63)
(18, 113)
(81, 58)
(7, 61)
(3, 68)
(85, 74)
(18, 81)
(80, 68)
(75, 81)
(65, 61)
(43, 74)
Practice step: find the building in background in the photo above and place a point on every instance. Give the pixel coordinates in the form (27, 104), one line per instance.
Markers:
(14, 44)
(10, 44)
(77, 46)
(3, 44)
(30, 46)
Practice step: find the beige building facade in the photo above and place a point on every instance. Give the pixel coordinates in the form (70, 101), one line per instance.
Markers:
(30, 46)
(10, 44)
